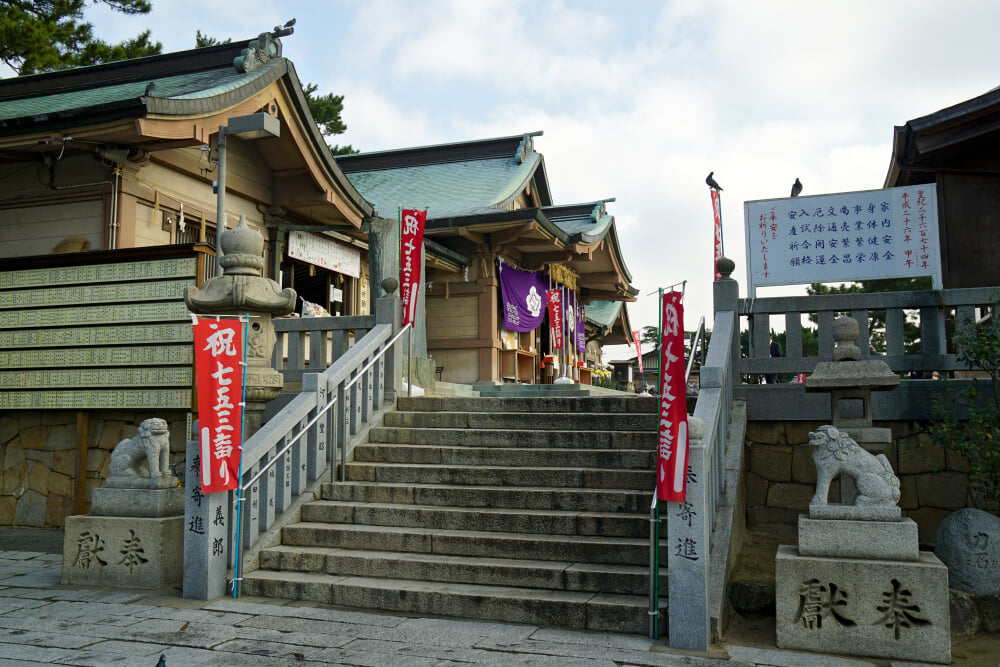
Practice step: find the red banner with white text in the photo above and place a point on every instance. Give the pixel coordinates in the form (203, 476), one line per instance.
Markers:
(672, 450)
(638, 352)
(411, 261)
(717, 212)
(218, 350)
(554, 299)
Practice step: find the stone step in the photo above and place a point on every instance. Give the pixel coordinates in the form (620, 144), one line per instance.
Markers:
(471, 475)
(454, 389)
(549, 522)
(593, 404)
(611, 550)
(563, 392)
(514, 438)
(506, 604)
(497, 456)
(547, 421)
(554, 575)
(541, 498)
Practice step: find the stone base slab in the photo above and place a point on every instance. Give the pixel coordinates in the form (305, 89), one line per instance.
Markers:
(166, 481)
(875, 540)
(880, 608)
(855, 512)
(146, 503)
(123, 552)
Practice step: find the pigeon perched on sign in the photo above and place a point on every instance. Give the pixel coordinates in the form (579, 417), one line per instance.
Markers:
(796, 188)
(711, 182)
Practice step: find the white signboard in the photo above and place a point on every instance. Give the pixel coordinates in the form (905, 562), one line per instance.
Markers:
(325, 252)
(890, 233)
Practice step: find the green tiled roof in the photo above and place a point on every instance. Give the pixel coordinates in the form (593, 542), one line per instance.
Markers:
(192, 85)
(447, 190)
(603, 313)
(450, 180)
(587, 222)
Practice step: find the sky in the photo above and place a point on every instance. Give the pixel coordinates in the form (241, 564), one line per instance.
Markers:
(637, 100)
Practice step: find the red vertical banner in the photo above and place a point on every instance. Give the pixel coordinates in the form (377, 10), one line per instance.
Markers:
(218, 349)
(410, 261)
(717, 212)
(638, 352)
(672, 450)
(554, 299)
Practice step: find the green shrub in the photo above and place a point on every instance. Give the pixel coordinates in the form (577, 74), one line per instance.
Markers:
(977, 437)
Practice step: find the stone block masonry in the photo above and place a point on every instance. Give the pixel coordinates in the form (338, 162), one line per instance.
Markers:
(780, 476)
(880, 608)
(39, 459)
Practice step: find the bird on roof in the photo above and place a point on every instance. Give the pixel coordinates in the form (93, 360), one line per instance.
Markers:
(162, 662)
(711, 182)
(150, 89)
(796, 188)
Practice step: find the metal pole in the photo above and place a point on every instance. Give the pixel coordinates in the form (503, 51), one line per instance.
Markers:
(238, 564)
(654, 597)
(220, 201)
(409, 361)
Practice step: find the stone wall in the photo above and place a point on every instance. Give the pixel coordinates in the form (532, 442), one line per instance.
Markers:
(39, 459)
(781, 477)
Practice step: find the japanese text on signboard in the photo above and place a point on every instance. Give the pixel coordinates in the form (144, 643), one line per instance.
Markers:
(219, 363)
(890, 233)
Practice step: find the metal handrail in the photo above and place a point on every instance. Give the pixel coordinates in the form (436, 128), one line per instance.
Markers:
(358, 374)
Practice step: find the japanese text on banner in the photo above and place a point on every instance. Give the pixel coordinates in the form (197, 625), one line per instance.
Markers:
(717, 214)
(638, 352)
(554, 299)
(219, 362)
(672, 448)
(411, 261)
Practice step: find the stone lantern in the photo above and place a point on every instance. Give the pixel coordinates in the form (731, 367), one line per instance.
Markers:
(242, 290)
(850, 382)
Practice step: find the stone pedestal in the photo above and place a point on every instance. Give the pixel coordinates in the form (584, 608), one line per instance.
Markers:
(883, 540)
(880, 608)
(125, 552)
(133, 538)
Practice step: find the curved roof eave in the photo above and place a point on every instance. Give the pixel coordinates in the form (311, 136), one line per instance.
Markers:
(319, 144)
(282, 69)
(616, 254)
(516, 187)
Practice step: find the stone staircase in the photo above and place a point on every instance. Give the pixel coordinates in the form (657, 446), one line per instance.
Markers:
(519, 510)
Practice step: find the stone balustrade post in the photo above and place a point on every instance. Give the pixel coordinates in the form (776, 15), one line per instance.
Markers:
(726, 296)
(688, 534)
(389, 310)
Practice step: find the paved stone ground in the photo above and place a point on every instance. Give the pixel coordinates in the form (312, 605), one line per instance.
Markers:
(43, 622)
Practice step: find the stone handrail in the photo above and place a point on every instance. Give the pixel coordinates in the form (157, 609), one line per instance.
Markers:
(690, 524)
(298, 448)
(311, 344)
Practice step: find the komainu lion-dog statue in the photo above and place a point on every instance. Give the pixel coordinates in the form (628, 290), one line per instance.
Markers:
(149, 448)
(838, 454)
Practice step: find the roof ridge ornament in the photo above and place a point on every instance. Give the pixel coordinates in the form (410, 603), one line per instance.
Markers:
(266, 47)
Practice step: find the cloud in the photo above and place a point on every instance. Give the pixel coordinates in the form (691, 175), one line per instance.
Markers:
(638, 100)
